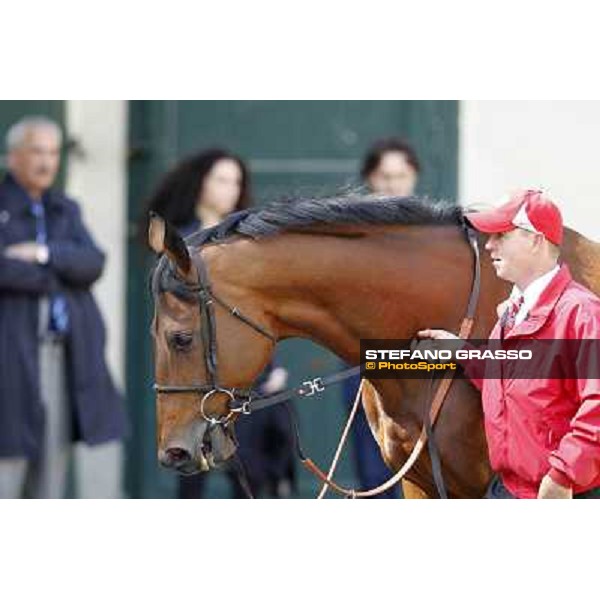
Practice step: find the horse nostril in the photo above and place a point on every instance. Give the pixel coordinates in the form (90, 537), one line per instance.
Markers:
(177, 456)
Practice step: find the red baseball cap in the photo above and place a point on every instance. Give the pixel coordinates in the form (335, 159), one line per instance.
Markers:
(526, 209)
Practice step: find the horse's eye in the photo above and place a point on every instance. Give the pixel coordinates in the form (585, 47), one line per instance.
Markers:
(181, 340)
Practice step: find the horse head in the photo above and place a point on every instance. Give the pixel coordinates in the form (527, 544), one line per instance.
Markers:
(207, 352)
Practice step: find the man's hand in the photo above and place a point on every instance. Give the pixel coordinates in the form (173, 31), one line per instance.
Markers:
(31, 252)
(436, 334)
(550, 490)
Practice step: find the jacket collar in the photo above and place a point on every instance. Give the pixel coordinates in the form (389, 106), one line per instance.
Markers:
(19, 199)
(535, 289)
(545, 304)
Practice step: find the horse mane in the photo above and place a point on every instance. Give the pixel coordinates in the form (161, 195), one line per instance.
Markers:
(287, 215)
(304, 213)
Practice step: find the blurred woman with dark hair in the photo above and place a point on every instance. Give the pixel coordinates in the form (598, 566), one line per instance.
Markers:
(199, 192)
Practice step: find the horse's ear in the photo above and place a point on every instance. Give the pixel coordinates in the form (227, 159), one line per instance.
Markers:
(163, 238)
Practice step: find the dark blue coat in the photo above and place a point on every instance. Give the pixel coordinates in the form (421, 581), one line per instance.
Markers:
(75, 264)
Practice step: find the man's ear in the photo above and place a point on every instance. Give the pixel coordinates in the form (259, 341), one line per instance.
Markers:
(539, 243)
(164, 239)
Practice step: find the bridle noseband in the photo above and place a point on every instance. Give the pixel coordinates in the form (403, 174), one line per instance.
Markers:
(239, 399)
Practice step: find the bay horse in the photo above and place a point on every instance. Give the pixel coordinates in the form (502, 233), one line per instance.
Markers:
(334, 271)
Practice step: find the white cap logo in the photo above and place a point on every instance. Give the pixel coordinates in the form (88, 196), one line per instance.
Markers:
(522, 221)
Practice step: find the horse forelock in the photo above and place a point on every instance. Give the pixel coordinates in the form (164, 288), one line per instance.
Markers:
(164, 279)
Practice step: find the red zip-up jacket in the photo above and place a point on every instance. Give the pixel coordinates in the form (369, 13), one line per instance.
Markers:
(536, 427)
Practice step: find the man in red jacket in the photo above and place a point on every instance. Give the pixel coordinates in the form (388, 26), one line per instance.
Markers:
(543, 434)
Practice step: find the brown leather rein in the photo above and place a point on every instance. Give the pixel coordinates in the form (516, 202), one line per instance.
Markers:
(434, 411)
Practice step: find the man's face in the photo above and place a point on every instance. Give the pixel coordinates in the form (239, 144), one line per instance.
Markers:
(36, 161)
(513, 254)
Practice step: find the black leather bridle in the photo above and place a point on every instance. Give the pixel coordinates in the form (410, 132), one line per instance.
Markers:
(242, 401)
(239, 398)
(245, 400)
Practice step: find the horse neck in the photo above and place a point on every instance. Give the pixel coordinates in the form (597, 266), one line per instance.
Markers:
(335, 290)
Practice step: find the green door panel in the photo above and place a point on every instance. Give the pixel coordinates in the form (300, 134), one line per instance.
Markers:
(294, 148)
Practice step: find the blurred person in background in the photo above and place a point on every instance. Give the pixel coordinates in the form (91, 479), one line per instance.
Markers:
(199, 192)
(390, 168)
(55, 387)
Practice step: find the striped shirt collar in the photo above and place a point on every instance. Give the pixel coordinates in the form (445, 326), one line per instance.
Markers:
(532, 292)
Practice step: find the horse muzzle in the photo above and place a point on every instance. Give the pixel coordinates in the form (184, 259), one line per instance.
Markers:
(202, 447)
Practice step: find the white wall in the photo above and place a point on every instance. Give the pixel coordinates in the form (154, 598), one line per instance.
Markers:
(552, 145)
(98, 180)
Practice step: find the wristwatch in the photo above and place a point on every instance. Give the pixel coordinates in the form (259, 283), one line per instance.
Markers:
(42, 254)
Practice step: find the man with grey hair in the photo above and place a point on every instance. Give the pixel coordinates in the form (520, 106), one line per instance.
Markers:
(17, 134)
(55, 387)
